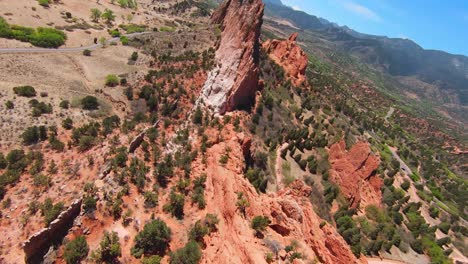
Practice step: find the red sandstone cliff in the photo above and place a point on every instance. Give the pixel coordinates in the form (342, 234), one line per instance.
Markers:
(290, 210)
(234, 81)
(290, 56)
(353, 171)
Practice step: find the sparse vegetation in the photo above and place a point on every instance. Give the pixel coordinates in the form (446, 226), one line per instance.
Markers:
(41, 37)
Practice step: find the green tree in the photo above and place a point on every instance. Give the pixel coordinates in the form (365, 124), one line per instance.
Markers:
(109, 248)
(30, 135)
(134, 56)
(198, 116)
(9, 105)
(89, 103)
(259, 224)
(108, 15)
(151, 260)
(67, 123)
(189, 254)
(65, 104)
(25, 91)
(153, 239)
(76, 250)
(95, 14)
(112, 80)
(175, 205)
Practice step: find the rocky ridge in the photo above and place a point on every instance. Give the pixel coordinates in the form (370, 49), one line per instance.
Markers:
(290, 56)
(234, 81)
(291, 213)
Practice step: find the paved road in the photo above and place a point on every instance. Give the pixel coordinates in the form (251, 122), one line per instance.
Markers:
(59, 50)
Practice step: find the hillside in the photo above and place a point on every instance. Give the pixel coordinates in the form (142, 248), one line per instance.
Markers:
(218, 132)
(435, 77)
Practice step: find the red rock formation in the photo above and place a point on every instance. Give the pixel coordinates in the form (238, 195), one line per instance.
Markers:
(235, 80)
(290, 211)
(353, 171)
(290, 56)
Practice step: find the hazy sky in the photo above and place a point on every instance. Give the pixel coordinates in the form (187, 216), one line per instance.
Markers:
(433, 24)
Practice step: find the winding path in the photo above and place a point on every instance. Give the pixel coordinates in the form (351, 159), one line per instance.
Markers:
(73, 49)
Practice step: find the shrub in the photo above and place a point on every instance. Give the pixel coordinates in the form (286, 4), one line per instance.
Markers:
(95, 14)
(134, 56)
(109, 248)
(50, 211)
(124, 40)
(17, 160)
(41, 180)
(86, 142)
(151, 260)
(25, 91)
(434, 212)
(112, 80)
(9, 105)
(128, 92)
(153, 239)
(108, 15)
(44, 3)
(76, 250)
(198, 194)
(65, 104)
(3, 161)
(48, 38)
(30, 135)
(444, 227)
(405, 185)
(151, 199)
(87, 52)
(39, 108)
(67, 123)
(198, 116)
(89, 204)
(189, 254)
(89, 103)
(175, 205)
(259, 224)
(42, 37)
(257, 179)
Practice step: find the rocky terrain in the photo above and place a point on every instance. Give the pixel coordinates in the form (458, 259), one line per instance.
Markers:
(209, 139)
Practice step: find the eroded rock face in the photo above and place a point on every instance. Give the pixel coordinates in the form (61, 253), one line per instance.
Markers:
(290, 56)
(234, 81)
(38, 243)
(290, 211)
(354, 172)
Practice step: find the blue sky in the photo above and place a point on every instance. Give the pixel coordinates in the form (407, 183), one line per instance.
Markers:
(433, 24)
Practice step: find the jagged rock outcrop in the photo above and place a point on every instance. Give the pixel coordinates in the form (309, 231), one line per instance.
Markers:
(290, 210)
(40, 242)
(290, 56)
(136, 142)
(234, 81)
(354, 172)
